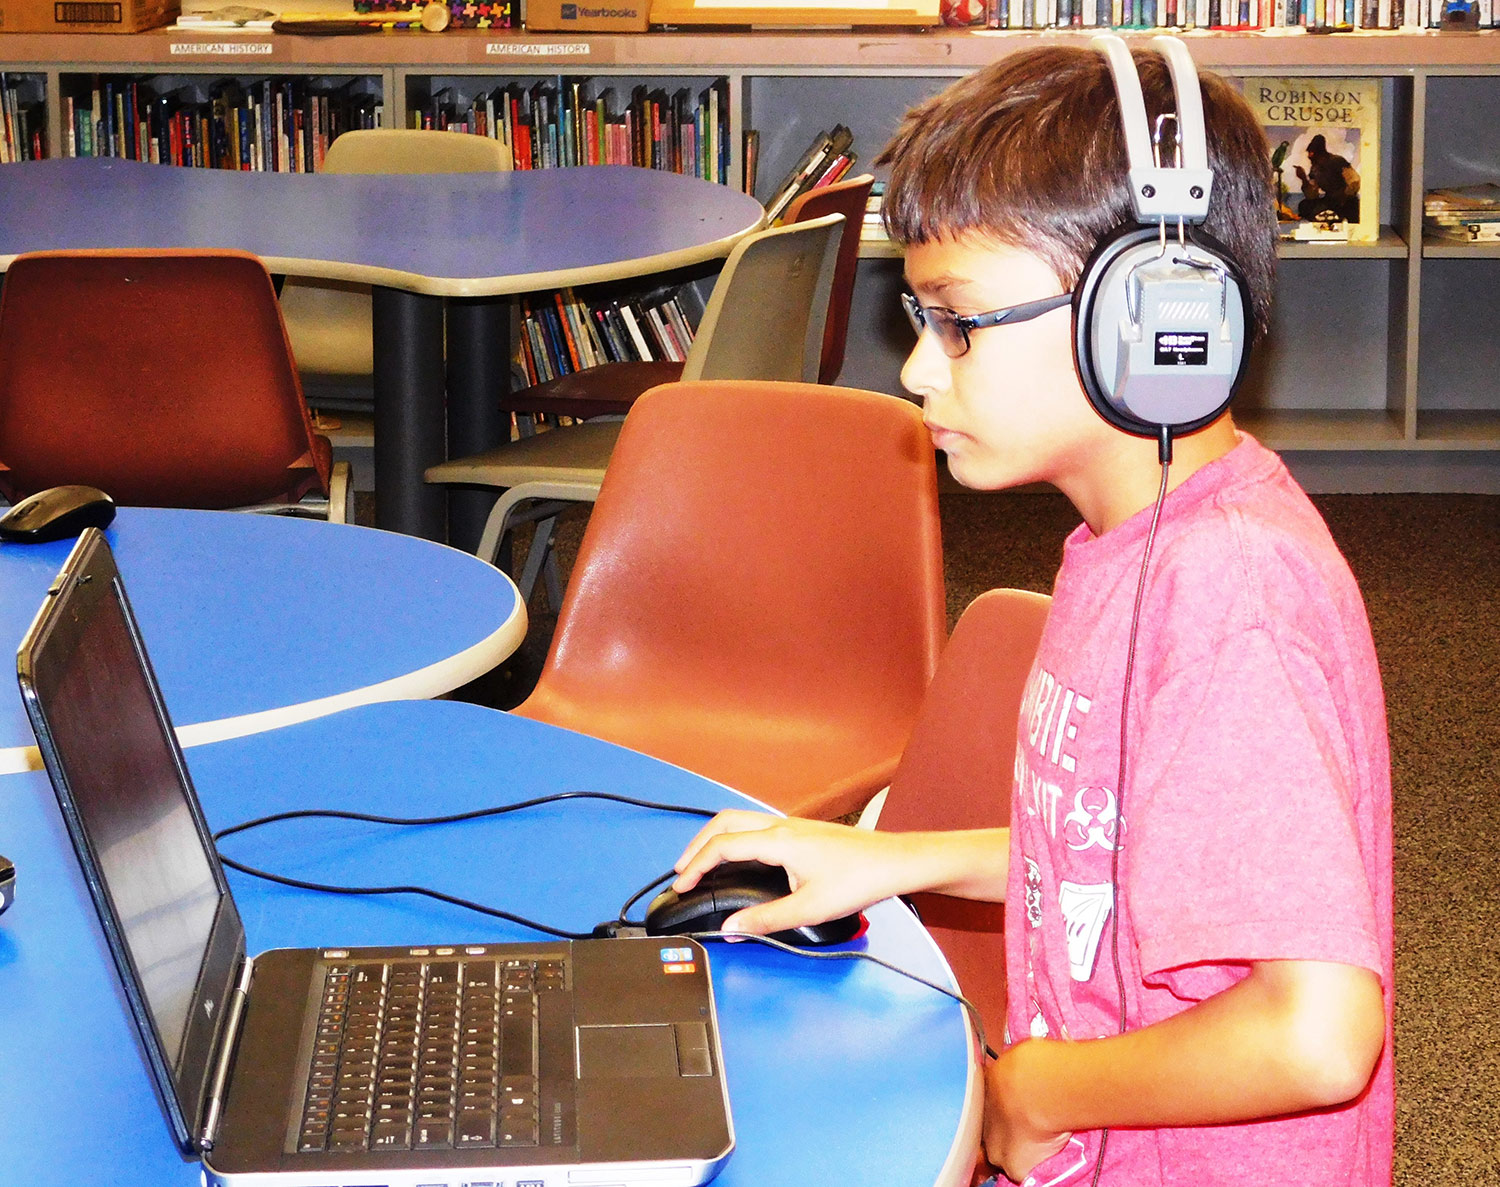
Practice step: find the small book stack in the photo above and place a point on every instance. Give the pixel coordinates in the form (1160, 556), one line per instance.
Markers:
(873, 230)
(562, 122)
(1464, 214)
(829, 157)
(562, 333)
(23, 125)
(276, 125)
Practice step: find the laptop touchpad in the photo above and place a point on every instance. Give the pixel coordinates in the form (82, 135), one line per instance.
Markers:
(626, 1051)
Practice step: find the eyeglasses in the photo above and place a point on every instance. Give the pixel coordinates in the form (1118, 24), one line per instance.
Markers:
(952, 330)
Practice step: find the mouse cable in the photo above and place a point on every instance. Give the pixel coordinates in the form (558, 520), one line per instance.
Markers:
(424, 891)
(1114, 853)
(452, 818)
(459, 817)
(850, 954)
(620, 920)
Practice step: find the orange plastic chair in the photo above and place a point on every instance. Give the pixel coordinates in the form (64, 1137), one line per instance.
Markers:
(162, 377)
(610, 389)
(957, 771)
(759, 592)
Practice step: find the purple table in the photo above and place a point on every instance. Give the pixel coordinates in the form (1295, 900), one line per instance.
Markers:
(463, 237)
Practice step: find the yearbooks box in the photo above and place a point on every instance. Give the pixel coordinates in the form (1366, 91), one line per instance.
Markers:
(608, 16)
(85, 16)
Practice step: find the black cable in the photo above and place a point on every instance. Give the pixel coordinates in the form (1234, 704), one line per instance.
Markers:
(852, 954)
(451, 818)
(1164, 452)
(424, 891)
(460, 817)
(637, 896)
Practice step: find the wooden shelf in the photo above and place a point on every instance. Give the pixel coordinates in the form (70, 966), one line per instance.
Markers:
(845, 52)
(1365, 324)
(1323, 430)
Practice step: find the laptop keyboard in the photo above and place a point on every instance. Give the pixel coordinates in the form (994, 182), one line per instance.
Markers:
(419, 1055)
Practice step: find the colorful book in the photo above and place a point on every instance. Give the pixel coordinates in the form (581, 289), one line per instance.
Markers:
(1324, 135)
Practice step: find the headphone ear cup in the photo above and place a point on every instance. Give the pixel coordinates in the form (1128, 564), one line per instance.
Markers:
(1104, 308)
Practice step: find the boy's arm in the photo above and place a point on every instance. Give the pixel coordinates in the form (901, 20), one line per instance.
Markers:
(836, 870)
(1293, 1035)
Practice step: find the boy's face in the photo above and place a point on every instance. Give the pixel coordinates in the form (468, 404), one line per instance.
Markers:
(1010, 410)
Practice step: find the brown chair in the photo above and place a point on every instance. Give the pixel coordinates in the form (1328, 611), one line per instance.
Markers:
(759, 592)
(956, 773)
(611, 388)
(764, 320)
(162, 377)
(847, 197)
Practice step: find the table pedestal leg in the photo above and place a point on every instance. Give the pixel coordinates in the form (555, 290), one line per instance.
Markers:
(478, 375)
(409, 420)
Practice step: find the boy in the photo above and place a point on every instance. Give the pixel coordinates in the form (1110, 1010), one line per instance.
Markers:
(1231, 1022)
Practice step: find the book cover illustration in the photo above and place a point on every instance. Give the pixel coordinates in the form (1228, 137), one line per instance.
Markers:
(1324, 137)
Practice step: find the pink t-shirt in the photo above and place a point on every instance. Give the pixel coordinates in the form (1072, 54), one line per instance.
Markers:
(1257, 813)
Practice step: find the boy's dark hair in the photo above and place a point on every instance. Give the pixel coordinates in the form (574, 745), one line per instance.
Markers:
(1029, 152)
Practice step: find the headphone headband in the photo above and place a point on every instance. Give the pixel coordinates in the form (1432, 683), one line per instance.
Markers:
(1159, 191)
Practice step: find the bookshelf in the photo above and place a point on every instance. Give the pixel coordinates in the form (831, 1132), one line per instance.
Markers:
(1382, 370)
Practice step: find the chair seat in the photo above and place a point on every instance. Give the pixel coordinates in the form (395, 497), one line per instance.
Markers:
(577, 454)
(805, 764)
(599, 391)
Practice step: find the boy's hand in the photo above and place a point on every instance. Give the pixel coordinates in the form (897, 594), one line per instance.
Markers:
(833, 869)
(1012, 1142)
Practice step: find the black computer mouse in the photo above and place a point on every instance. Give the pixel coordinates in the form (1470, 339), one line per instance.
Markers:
(55, 513)
(730, 887)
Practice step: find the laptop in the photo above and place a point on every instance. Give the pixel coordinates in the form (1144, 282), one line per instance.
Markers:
(547, 1064)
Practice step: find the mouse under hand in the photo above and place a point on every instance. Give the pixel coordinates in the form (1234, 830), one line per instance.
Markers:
(734, 886)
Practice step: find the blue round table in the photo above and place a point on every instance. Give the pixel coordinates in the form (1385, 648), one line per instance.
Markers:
(838, 1072)
(420, 239)
(254, 621)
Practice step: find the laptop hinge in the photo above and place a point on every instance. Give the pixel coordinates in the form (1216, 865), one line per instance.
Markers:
(229, 1037)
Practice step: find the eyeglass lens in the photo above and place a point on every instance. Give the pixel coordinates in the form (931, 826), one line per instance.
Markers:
(943, 324)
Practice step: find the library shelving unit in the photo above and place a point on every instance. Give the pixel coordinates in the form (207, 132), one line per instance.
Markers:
(1383, 371)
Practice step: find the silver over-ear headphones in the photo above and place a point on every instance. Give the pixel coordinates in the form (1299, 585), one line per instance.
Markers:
(1161, 312)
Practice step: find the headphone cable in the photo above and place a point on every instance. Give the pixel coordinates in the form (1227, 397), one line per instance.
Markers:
(1164, 452)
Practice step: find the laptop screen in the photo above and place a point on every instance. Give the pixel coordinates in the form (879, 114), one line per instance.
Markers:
(125, 785)
(108, 747)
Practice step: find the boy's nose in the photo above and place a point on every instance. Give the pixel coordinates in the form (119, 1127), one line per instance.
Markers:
(925, 372)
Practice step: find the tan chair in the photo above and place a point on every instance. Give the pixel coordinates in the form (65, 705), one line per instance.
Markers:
(328, 321)
(764, 320)
(170, 407)
(611, 388)
(957, 770)
(759, 593)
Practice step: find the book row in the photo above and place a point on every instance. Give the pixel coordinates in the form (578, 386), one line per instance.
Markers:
(564, 122)
(1240, 14)
(562, 333)
(23, 124)
(276, 125)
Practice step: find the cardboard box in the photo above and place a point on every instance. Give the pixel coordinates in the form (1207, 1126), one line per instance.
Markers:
(587, 16)
(86, 16)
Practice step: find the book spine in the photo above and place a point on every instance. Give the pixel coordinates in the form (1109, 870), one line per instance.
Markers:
(637, 334)
(565, 336)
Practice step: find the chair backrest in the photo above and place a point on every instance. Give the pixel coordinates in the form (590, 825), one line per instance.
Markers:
(412, 150)
(738, 569)
(162, 377)
(847, 197)
(957, 769)
(765, 316)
